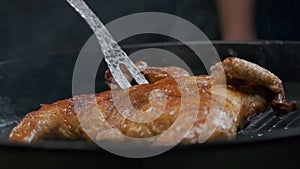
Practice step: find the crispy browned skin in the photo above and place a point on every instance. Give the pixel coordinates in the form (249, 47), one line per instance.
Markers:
(253, 93)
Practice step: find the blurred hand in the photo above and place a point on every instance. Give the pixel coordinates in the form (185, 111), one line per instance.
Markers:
(236, 19)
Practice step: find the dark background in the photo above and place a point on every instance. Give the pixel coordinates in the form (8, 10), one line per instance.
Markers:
(50, 26)
(46, 26)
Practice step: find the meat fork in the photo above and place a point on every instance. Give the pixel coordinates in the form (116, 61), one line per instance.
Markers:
(113, 54)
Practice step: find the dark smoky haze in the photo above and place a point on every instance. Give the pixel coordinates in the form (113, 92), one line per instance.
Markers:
(43, 27)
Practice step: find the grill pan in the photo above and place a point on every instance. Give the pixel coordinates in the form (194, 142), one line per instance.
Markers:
(264, 140)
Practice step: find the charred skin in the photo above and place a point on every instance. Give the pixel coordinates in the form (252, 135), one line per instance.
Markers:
(254, 95)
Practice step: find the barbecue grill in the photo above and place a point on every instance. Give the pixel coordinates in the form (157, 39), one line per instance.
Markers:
(264, 140)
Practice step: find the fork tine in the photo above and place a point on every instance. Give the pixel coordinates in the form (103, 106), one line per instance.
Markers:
(119, 77)
(134, 71)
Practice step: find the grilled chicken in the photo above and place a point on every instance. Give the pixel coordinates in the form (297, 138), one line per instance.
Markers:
(173, 107)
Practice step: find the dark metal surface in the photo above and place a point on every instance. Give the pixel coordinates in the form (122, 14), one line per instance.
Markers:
(27, 82)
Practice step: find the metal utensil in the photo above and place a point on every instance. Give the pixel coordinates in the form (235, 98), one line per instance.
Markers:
(114, 55)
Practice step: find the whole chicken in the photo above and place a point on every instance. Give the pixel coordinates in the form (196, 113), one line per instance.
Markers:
(174, 107)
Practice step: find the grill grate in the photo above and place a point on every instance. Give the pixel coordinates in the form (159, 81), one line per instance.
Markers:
(259, 125)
